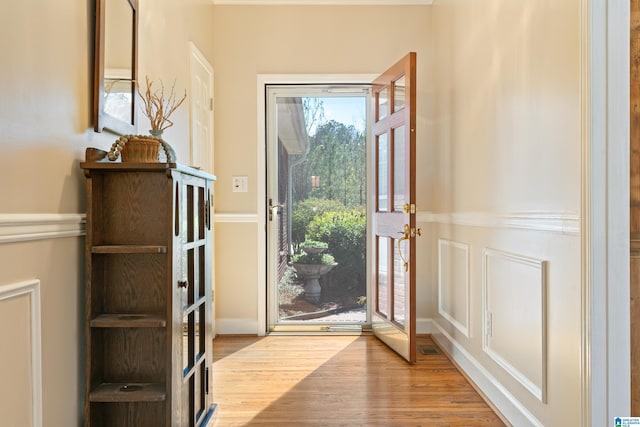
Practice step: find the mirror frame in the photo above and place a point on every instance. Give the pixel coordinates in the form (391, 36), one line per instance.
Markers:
(102, 120)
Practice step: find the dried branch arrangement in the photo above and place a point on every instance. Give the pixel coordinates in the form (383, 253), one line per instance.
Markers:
(157, 107)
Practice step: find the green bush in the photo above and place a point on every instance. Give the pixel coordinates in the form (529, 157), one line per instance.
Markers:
(288, 286)
(305, 258)
(313, 244)
(346, 234)
(305, 211)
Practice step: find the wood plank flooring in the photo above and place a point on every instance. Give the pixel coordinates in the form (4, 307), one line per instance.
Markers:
(338, 381)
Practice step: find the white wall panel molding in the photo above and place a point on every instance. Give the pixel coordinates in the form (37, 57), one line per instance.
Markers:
(453, 284)
(514, 317)
(557, 222)
(510, 407)
(30, 289)
(25, 227)
(235, 217)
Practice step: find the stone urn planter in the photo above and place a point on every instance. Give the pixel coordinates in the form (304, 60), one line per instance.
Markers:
(310, 273)
(310, 265)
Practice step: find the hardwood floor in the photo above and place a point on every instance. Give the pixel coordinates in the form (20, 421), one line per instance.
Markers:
(338, 381)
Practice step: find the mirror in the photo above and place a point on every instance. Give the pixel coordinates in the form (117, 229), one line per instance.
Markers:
(116, 44)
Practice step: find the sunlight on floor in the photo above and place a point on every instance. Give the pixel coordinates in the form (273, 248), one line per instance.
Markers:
(257, 361)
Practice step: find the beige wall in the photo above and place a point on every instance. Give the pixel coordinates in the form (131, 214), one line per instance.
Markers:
(45, 123)
(506, 86)
(507, 143)
(287, 40)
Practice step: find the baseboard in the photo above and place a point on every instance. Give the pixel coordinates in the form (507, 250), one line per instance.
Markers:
(425, 326)
(236, 326)
(503, 401)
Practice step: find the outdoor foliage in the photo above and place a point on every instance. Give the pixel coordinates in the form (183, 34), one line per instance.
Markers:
(288, 286)
(308, 244)
(305, 258)
(345, 232)
(305, 211)
(329, 192)
(337, 157)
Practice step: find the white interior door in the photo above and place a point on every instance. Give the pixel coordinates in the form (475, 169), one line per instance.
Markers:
(201, 107)
(201, 111)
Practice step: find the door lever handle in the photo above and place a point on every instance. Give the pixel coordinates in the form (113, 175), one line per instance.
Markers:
(273, 209)
(407, 234)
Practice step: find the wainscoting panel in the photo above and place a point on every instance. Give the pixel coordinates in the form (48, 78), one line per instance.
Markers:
(453, 284)
(514, 307)
(20, 370)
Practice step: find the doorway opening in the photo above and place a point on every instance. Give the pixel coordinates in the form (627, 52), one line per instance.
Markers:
(317, 182)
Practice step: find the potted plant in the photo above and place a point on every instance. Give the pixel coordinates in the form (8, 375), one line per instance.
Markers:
(313, 247)
(310, 265)
(157, 107)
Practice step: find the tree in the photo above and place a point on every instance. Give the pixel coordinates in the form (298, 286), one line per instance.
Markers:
(337, 156)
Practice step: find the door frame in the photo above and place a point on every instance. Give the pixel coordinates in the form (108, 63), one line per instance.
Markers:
(314, 90)
(261, 167)
(604, 87)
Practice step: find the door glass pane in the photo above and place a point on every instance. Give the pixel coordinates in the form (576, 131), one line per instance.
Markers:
(190, 214)
(399, 196)
(399, 281)
(317, 160)
(196, 334)
(383, 103)
(398, 94)
(383, 173)
(201, 327)
(203, 391)
(191, 268)
(201, 212)
(197, 394)
(383, 276)
(186, 344)
(202, 279)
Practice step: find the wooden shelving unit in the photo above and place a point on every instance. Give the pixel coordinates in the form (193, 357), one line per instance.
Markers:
(148, 295)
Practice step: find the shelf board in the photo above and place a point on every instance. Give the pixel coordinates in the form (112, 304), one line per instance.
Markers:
(129, 392)
(129, 249)
(128, 321)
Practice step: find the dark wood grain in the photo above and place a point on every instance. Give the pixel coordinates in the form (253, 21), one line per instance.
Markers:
(138, 414)
(123, 320)
(133, 355)
(129, 392)
(135, 251)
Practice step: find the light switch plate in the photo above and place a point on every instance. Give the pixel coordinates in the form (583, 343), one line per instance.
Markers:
(240, 184)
